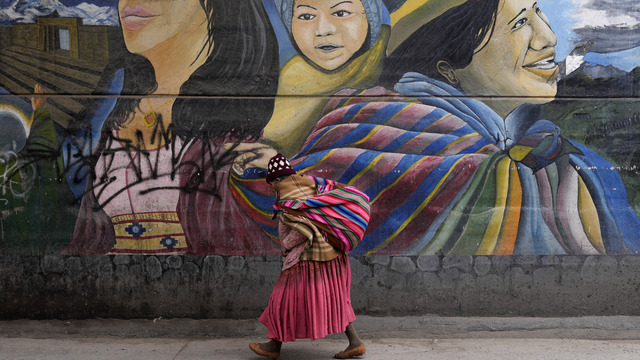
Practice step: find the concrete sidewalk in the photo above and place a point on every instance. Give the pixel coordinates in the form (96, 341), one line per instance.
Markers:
(387, 349)
(430, 337)
(414, 327)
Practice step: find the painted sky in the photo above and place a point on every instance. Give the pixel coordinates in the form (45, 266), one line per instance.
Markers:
(5, 3)
(612, 25)
(113, 3)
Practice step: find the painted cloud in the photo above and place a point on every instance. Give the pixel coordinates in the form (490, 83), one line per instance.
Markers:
(612, 25)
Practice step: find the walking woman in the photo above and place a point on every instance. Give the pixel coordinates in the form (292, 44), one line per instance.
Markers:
(312, 297)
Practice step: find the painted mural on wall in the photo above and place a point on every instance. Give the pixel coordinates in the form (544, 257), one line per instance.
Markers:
(476, 127)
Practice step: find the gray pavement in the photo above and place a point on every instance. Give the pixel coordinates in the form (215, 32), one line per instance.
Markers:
(421, 337)
(236, 348)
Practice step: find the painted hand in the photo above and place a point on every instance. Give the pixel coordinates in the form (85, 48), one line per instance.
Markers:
(37, 101)
(250, 155)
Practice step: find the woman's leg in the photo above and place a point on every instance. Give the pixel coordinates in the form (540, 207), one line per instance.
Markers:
(352, 335)
(271, 346)
(270, 349)
(355, 348)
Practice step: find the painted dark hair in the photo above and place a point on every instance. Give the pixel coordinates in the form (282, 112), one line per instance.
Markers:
(232, 93)
(455, 36)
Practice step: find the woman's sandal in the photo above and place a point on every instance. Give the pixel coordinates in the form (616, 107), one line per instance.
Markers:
(258, 350)
(351, 353)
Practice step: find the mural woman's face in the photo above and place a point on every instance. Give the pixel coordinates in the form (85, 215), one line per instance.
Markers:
(148, 23)
(329, 32)
(518, 59)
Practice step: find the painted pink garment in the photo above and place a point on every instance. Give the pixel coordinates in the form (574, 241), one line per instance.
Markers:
(310, 300)
(212, 219)
(123, 166)
(217, 224)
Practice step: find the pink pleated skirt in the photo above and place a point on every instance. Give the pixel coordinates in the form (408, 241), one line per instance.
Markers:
(311, 300)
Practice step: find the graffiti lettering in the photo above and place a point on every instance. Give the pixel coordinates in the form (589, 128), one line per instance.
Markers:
(17, 176)
(148, 165)
(19, 171)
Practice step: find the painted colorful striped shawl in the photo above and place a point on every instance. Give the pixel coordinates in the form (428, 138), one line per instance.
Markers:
(447, 175)
(343, 212)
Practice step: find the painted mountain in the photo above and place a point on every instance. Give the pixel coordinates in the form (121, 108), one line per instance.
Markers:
(599, 71)
(26, 11)
(600, 81)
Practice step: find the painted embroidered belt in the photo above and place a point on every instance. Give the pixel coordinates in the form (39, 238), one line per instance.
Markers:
(159, 232)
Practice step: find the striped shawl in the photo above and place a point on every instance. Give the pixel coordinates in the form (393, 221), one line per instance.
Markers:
(447, 175)
(342, 212)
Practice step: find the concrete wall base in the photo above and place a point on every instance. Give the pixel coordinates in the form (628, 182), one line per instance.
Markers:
(238, 287)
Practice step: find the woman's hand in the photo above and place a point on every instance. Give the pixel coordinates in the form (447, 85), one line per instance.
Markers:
(250, 155)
